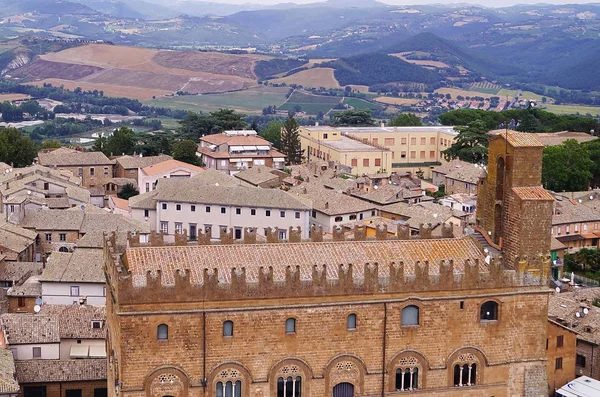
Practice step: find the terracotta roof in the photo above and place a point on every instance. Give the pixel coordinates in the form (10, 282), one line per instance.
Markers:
(519, 139)
(120, 203)
(95, 239)
(568, 211)
(135, 162)
(144, 201)
(44, 371)
(469, 174)
(451, 166)
(556, 245)
(52, 219)
(328, 201)
(75, 321)
(388, 194)
(70, 157)
(305, 255)
(25, 328)
(8, 383)
(533, 193)
(423, 213)
(165, 166)
(15, 237)
(83, 265)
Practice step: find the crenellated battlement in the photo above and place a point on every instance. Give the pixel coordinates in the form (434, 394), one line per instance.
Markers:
(311, 269)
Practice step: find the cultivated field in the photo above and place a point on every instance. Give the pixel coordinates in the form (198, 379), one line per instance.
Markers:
(433, 64)
(250, 101)
(12, 97)
(358, 103)
(397, 101)
(317, 77)
(142, 73)
(573, 109)
(466, 93)
(312, 104)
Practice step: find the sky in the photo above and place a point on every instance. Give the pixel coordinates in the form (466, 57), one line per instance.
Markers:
(488, 3)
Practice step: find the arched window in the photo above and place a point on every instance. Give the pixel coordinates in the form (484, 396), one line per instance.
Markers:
(228, 328)
(489, 311)
(352, 321)
(407, 379)
(410, 315)
(63, 249)
(465, 374)
(289, 387)
(229, 389)
(290, 326)
(162, 332)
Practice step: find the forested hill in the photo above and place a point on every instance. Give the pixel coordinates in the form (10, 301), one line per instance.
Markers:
(452, 54)
(375, 68)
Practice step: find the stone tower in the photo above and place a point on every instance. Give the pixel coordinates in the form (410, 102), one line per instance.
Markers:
(513, 208)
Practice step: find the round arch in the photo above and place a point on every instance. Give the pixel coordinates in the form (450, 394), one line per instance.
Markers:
(290, 366)
(167, 381)
(405, 359)
(345, 368)
(467, 356)
(228, 371)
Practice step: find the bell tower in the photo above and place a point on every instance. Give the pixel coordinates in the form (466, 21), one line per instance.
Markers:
(513, 208)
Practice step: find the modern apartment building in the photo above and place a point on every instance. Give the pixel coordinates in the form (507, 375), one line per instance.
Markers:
(233, 151)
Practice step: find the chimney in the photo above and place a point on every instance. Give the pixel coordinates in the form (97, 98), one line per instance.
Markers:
(327, 205)
(316, 124)
(382, 124)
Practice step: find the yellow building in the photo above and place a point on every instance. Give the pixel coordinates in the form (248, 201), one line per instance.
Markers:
(332, 144)
(399, 149)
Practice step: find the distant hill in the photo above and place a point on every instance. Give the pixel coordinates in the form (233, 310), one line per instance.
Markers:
(51, 7)
(358, 44)
(131, 9)
(375, 68)
(452, 54)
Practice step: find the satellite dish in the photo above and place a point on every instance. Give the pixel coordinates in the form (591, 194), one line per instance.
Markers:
(37, 308)
(557, 289)
(580, 201)
(83, 206)
(29, 192)
(591, 197)
(217, 184)
(38, 301)
(578, 315)
(586, 310)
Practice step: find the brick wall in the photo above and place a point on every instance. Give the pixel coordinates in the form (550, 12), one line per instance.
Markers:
(322, 344)
(13, 304)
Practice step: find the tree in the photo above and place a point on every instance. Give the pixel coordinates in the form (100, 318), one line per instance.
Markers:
(471, 144)
(186, 151)
(122, 141)
(51, 144)
(290, 141)
(128, 191)
(272, 133)
(197, 125)
(567, 167)
(354, 117)
(406, 120)
(15, 148)
(99, 144)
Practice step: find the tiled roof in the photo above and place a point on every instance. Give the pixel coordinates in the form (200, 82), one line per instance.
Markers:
(568, 211)
(14, 271)
(533, 193)
(563, 307)
(36, 169)
(8, 383)
(144, 201)
(305, 255)
(257, 175)
(519, 139)
(450, 166)
(75, 321)
(71, 157)
(165, 166)
(134, 162)
(556, 245)
(24, 328)
(83, 265)
(388, 194)
(31, 287)
(187, 191)
(328, 201)
(95, 239)
(108, 222)
(52, 219)
(469, 174)
(226, 155)
(423, 213)
(235, 140)
(14, 239)
(44, 371)
(120, 203)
